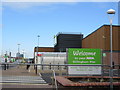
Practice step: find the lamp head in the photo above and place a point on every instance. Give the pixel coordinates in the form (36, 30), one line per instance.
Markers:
(111, 11)
(38, 36)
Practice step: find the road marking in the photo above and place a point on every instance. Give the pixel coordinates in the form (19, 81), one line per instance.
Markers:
(23, 84)
(23, 79)
(20, 80)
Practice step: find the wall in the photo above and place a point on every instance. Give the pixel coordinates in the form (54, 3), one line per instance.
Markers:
(51, 58)
(116, 58)
(68, 41)
(115, 39)
(101, 39)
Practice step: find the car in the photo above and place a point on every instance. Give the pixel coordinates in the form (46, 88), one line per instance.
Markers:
(29, 61)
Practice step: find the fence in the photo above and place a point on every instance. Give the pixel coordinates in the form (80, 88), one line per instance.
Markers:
(61, 67)
(50, 72)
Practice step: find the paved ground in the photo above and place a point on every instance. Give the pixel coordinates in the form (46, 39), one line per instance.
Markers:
(19, 77)
(23, 79)
(19, 71)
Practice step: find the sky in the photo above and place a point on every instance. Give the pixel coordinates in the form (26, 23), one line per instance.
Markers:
(22, 22)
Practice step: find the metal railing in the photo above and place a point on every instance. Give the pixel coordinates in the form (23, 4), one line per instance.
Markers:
(7, 65)
(104, 70)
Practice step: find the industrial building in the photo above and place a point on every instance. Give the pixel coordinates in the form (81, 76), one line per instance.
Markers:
(100, 38)
(46, 55)
(51, 58)
(19, 56)
(68, 41)
(37, 50)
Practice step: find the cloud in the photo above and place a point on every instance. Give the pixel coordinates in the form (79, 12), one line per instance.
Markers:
(23, 5)
(60, 0)
(40, 0)
(28, 4)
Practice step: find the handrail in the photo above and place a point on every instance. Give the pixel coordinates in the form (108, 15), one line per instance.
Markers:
(56, 64)
(55, 79)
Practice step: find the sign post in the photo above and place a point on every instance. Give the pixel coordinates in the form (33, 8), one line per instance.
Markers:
(84, 57)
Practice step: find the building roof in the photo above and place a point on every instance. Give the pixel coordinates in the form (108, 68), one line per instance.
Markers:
(101, 27)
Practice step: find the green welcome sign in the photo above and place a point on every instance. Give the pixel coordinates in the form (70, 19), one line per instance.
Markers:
(84, 56)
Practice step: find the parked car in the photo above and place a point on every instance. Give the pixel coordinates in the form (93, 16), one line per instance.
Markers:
(29, 61)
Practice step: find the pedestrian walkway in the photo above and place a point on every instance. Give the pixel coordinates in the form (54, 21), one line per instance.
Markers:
(19, 71)
(19, 77)
(23, 79)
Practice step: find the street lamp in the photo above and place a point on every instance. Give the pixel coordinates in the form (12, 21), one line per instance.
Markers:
(38, 40)
(18, 48)
(37, 54)
(38, 46)
(111, 14)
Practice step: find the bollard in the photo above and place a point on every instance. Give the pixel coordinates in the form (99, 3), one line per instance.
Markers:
(5, 67)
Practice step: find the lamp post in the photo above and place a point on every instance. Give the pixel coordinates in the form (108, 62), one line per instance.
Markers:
(111, 14)
(38, 46)
(18, 54)
(37, 54)
(37, 49)
(18, 48)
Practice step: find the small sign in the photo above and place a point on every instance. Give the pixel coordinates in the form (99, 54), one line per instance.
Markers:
(84, 70)
(104, 54)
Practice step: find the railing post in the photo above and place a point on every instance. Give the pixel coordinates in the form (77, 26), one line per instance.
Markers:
(4, 66)
(42, 67)
(36, 69)
(55, 79)
(7, 66)
(50, 66)
(58, 66)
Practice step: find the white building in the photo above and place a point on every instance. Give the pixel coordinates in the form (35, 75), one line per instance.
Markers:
(50, 58)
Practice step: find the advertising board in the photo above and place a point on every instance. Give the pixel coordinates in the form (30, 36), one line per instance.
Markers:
(84, 57)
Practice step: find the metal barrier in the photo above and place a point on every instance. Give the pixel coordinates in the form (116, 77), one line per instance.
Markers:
(105, 72)
(58, 66)
(55, 79)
